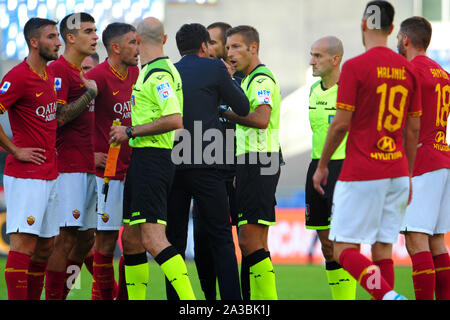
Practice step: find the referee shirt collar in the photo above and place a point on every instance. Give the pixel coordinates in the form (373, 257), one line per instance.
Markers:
(159, 58)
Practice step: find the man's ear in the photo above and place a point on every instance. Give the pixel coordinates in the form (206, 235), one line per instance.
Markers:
(254, 48)
(115, 47)
(406, 40)
(364, 24)
(391, 29)
(165, 39)
(70, 37)
(204, 48)
(34, 43)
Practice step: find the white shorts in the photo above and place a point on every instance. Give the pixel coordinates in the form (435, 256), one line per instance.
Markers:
(113, 216)
(32, 206)
(77, 193)
(429, 211)
(369, 211)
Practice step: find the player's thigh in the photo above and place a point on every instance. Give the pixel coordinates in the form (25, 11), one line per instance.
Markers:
(394, 208)
(423, 212)
(357, 210)
(111, 219)
(31, 206)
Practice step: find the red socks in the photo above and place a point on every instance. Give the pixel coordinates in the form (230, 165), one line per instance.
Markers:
(104, 275)
(423, 275)
(16, 275)
(442, 267)
(387, 270)
(36, 274)
(365, 272)
(55, 282)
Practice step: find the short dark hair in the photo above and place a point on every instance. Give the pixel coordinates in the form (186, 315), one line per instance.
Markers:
(115, 30)
(249, 33)
(223, 26)
(190, 38)
(65, 28)
(387, 13)
(418, 30)
(32, 28)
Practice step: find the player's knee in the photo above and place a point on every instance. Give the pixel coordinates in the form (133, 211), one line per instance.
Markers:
(43, 250)
(416, 242)
(437, 244)
(106, 241)
(65, 242)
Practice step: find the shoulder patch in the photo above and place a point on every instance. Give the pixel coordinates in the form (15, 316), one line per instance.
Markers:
(264, 96)
(5, 87)
(165, 91)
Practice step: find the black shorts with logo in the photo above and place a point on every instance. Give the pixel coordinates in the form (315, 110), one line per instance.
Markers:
(255, 192)
(318, 207)
(147, 186)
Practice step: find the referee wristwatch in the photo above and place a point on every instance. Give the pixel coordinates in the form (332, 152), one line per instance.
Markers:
(129, 131)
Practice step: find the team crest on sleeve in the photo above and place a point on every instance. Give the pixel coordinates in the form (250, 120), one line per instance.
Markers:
(264, 96)
(165, 91)
(58, 82)
(5, 87)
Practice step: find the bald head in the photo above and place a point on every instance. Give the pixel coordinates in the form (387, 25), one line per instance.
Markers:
(151, 30)
(331, 44)
(326, 56)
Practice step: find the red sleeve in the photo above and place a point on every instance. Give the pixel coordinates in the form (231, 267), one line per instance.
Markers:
(11, 90)
(415, 106)
(347, 88)
(61, 82)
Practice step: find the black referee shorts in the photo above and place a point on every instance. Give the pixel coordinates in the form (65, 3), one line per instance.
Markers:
(318, 207)
(147, 186)
(255, 193)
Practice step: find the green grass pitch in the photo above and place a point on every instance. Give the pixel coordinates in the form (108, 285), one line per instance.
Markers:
(294, 282)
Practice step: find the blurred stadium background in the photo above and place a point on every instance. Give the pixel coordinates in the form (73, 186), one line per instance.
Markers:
(287, 30)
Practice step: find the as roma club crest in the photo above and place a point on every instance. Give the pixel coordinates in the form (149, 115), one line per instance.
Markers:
(105, 217)
(31, 220)
(76, 214)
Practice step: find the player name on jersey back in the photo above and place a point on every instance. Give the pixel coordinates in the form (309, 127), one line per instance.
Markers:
(381, 88)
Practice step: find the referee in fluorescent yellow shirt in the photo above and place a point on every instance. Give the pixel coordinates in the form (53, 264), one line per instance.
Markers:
(326, 57)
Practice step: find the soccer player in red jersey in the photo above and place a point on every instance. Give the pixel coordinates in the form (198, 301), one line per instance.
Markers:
(76, 182)
(427, 219)
(379, 104)
(28, 94)
(115, 78)
(88, 63)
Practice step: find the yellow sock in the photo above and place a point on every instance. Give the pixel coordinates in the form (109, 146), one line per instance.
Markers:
(342, 284)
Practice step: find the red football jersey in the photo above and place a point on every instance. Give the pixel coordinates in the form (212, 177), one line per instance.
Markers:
(74, 140)
(381, 89)
(433, 152)
(112, 102)
(31, 103)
